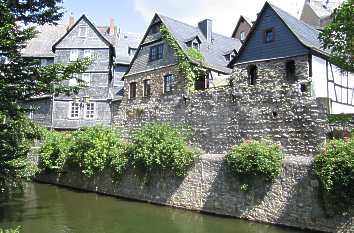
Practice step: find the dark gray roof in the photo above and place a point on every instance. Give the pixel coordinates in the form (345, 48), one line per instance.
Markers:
(104, 30)
(41, 45)
(125, 41)
(306, 34)
(213, 51)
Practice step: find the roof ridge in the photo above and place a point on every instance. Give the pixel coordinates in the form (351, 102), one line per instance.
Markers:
(195, 27)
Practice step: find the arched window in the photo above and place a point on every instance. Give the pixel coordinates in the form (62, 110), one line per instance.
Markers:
(290, 71)
(252, 74)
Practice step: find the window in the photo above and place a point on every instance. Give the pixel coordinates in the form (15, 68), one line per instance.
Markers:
(242, 36)
(73, 80)
(290, 71)
(168, 83)
(201, 83)
(268, 35)
(82, 31)
(3, 58)
(228, 57)
(196, 45)
(252, 74)
(74, 55)
(156, 52)
(86, 78)
(155, 28)
(147, 88)
(88, 53)
(44, 62)
(90, 110)
(74, 110)
(132, 51)
(132, 90)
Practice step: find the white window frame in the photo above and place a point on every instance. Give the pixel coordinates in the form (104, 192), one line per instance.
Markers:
(73, 81)
(86, 77)
(242, 35)
(83, 31)
(118, 83)
(87, 53)
(71, 103)
(87, 114)
(74, 54)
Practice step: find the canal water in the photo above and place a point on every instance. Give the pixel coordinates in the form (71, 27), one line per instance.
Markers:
(49, 209)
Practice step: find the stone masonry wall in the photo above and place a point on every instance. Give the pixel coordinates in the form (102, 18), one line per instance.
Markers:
(292, 200)
(222, 117)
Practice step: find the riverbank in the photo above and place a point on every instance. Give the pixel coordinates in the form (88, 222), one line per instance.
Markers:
(292, 200)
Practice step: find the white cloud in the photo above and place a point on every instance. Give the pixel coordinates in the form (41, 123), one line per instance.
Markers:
(224, 13)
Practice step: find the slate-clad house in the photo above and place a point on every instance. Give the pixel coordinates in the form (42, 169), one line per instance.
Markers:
(92, 104)
(242, 28)
(153, 71)
(278, 37)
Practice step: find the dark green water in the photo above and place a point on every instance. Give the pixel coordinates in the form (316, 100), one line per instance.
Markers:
(50, 209)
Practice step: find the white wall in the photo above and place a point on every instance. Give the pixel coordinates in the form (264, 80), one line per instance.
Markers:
(319, 85)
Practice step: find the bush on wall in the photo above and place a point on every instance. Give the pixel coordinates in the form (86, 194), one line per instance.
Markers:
(54, 150)
(255, 158)
(335, 169)
(96, 148)
(92, 149)
(158, 145)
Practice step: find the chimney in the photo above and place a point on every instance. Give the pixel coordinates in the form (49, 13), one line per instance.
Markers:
(71, 21)
(206, 27)
(111, 26)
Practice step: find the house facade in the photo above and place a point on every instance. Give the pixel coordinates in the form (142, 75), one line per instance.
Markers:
(278, 37)
(102, 80)
(153, 71)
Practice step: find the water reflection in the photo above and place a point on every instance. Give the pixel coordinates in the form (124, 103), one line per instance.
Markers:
(50, 209)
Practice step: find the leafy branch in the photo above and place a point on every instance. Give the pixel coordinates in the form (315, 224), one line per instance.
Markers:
(190, 71)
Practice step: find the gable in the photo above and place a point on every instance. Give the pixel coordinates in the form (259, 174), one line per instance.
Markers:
(285, 43)
(72, 39)
(152, 37)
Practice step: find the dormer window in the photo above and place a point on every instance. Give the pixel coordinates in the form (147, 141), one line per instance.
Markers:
(269, 35)
(155, 28)
(132, 51)
(230, 56)
(82, 31)
(242, 36)
(194, 43)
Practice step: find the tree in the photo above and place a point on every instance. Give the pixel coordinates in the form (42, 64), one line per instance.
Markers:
(338, 36)
(22, 78)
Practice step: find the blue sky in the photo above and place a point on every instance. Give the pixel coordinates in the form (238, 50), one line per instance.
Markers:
(135, 15)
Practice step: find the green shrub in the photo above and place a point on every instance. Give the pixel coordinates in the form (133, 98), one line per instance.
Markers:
(255, 158)
(335, 169)
(54, 150)
(160, 146)
(13, 230)
(96, 148)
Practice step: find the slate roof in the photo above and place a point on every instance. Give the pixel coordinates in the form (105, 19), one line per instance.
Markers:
(48, 35)
(246, 19)
(306, 34)
(322, 8)
(213, 51)
(125, 41)
(41, 45)
(104, 30)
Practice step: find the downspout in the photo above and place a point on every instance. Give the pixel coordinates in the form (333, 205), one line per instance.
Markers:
(52, 113)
